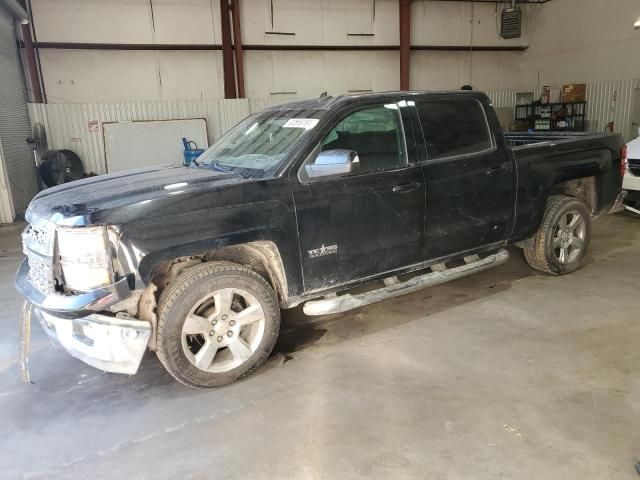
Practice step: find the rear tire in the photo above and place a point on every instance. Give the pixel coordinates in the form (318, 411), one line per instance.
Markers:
(217, 323)
(563, 238)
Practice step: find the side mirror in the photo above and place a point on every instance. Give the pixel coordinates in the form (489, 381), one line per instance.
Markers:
(333, 162)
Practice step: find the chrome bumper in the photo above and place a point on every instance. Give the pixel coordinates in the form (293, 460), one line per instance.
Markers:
(109, 343)
(70, 306)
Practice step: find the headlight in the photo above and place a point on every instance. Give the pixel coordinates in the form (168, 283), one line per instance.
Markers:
(84, 257)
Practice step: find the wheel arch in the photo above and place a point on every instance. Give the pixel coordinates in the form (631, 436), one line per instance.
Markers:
(583, 189)
(262, 257)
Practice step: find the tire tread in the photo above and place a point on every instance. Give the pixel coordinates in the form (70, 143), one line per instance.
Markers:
(182, 283)
(536, 256)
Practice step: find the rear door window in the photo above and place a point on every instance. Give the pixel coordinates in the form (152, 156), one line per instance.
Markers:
(453, 127)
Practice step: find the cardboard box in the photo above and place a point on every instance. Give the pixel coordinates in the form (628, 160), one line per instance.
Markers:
(574, 92)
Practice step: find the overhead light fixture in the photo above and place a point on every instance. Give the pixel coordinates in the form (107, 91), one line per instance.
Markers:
(637, 24)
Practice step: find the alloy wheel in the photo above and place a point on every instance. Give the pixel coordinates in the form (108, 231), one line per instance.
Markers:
(569, 237)
(223, 330)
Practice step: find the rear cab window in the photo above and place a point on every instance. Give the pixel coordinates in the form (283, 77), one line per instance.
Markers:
(454, 127)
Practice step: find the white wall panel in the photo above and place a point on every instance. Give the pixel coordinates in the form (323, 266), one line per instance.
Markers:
(67, 124)
(84, 76)
(307, 74)
(93, 21)
(127, 21)
(197, 75)
(458, 23)
(612, 102)
(320, 22)
(108, 76)
(186, 21)
(581, 41)
(150, 143)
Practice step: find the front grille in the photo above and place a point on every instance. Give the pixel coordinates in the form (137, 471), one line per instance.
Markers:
(634, 166)
(38, 244)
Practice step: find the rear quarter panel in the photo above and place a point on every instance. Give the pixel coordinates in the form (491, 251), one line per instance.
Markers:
(541, 167)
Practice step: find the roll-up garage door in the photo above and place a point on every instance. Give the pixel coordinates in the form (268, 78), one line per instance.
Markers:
(17, 168)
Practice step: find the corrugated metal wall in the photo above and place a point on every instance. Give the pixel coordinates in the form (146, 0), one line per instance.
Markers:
(612, 102)
(502, 99)
(14, 121)
(606, 102)
(67, 125)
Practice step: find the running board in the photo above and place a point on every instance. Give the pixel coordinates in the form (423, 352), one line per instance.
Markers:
(631, 209)
(395, 288)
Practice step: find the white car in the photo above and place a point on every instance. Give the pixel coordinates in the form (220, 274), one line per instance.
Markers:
(631, 182)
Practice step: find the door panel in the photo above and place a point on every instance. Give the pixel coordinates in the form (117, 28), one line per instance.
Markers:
(365, 224)
(369, 221)
(469, 180)
(469, 204)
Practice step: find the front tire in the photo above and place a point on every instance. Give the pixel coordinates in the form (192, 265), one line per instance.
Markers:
(217, 323)
(563, 238)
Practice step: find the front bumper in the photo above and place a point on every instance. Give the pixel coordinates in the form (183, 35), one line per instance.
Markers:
(70, 306)
(109, 343)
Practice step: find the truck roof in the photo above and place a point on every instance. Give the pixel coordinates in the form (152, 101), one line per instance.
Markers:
(326, 102)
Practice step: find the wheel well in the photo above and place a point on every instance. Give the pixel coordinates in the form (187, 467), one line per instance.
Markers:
(583, 189)
(263, 257)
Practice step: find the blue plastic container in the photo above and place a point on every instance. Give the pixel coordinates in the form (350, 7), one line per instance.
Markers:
(190, 152)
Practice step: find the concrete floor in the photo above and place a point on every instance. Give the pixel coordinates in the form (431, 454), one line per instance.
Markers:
(506, 374)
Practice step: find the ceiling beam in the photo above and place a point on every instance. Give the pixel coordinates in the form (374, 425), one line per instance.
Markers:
(290, 47)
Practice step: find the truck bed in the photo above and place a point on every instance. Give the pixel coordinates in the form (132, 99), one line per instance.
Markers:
(522, 139)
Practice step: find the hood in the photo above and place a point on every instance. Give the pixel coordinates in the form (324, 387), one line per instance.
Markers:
(80, 202)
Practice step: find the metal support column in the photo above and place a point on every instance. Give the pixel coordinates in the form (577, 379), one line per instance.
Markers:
(237, 46)
(227, 51)
(405, 43)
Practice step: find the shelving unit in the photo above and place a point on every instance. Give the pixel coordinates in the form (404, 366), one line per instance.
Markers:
(543, 117)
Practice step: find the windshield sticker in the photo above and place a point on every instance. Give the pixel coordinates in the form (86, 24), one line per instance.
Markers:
(306, 123)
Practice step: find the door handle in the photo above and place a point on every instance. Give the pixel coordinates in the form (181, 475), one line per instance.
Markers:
(407, 187)
(496, 169)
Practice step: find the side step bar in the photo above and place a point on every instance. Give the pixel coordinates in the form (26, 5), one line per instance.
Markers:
(438, 275)
(631, 209)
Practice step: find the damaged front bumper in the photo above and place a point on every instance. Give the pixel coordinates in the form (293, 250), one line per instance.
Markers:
(78, 324)
(70, 306)
(112, 344)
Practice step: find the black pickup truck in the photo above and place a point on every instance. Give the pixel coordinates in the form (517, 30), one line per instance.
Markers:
(303, 202)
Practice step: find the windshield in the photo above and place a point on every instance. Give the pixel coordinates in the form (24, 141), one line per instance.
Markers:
(257, 146)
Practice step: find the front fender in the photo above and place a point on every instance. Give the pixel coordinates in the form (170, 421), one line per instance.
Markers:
(146, 245)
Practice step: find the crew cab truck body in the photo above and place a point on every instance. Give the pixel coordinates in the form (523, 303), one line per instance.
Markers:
(387, 192)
